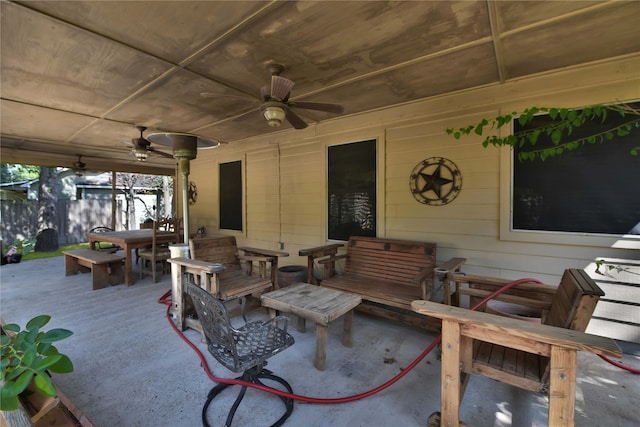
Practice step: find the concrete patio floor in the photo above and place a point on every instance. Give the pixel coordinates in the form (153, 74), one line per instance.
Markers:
(132, 369)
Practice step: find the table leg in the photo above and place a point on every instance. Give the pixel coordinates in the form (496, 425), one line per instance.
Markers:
(301, 324)
(321, 342)
(128, 267)
(272, 313)
(347, 333)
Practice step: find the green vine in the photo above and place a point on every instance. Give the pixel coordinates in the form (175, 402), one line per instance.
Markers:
(559, 132)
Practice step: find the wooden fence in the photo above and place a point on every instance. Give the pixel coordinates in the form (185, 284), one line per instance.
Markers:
(19, 219)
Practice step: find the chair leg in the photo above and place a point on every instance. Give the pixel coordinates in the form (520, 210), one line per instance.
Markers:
(252, 375)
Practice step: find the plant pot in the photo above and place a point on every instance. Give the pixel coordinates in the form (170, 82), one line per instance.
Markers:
(40, 411)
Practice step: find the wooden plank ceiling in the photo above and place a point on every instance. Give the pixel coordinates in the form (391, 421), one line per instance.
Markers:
(78, 76)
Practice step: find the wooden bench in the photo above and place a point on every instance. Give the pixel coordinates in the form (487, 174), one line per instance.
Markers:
(539, 357)
(216, 266)
(387, 274)
(106, 269)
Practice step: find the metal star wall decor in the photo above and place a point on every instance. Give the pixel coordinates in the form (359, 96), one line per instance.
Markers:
(435, 181)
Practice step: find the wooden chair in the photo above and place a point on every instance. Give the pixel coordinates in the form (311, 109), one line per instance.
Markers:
(216, 266)
(535, 357)
(158, 252)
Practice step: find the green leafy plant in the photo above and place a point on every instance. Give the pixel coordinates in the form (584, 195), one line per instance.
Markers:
(560, 132)
(28, 355)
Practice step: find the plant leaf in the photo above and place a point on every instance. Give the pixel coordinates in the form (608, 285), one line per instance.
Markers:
(56, 335)
(62, 366)
(43, 364)
(11, 327)
(8, 400)
(44, 385)
(21, 383)
(38, 321)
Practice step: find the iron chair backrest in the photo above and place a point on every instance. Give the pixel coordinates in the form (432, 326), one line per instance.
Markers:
(238, 349)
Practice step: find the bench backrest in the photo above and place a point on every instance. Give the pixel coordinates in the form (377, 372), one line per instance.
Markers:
(221, 249)
(571, 306)
(389, 259)
(574, 301)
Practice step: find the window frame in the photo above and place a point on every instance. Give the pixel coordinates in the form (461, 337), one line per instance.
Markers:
(508, 233)
(238, 233)
(379, 148)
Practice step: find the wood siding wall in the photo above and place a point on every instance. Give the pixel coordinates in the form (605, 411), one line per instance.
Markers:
(285, 175)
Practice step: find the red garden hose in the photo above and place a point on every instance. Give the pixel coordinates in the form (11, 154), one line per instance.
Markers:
(165, 299)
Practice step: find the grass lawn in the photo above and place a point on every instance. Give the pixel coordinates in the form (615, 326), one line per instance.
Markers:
(38, 255)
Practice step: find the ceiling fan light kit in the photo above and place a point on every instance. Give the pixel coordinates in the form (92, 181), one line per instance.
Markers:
(273, 113)
(141, 154)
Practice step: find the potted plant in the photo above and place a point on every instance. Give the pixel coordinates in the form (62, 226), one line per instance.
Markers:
(27, 358)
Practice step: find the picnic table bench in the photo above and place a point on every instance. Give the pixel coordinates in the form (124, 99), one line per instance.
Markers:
(388, 274)
(106, 269)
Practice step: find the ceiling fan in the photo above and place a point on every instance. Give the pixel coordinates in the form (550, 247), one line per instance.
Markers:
(141, 147)
(275, 104)
(79, 167)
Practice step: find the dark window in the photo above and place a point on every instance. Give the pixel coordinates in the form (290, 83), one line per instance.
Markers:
(594, 189)
(231, 196)
(352, 190)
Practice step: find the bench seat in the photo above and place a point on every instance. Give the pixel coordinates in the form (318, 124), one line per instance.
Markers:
(106, 269)
(388, 274)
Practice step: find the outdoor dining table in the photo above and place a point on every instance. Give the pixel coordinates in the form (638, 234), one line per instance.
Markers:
(130, 240)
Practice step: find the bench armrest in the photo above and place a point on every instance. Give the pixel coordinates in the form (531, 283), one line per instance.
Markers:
(521, 335)
(197, 266)
(452, 264)
(332, 259)
(262, 252)
(529, 294)
(318, 252)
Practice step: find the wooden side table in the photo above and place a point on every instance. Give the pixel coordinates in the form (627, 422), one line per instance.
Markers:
(317, 304)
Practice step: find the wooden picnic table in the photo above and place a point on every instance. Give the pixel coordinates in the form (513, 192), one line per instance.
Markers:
(130, 240)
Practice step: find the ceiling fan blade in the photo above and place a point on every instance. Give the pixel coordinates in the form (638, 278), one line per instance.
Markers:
(265, 92)
(319, 106)
(281, 87)
(295, 120)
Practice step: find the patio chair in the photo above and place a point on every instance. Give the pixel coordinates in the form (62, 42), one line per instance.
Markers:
(244, 349)
(539, 357)
(102, 246)
(158, 252)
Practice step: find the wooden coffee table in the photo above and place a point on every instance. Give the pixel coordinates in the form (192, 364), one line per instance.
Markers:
(318, 304)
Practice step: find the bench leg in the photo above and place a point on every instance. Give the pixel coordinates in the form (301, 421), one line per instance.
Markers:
(100, 276)
(321, 344)
(347, 333)
(562, 387)
(71, 266)
(115, 273)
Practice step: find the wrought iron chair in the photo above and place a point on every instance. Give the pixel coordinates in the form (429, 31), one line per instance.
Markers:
(244, 349)
(102, 246)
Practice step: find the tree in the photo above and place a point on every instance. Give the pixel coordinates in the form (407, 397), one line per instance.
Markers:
(47, 239)
(132, 185)
(13, 173)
